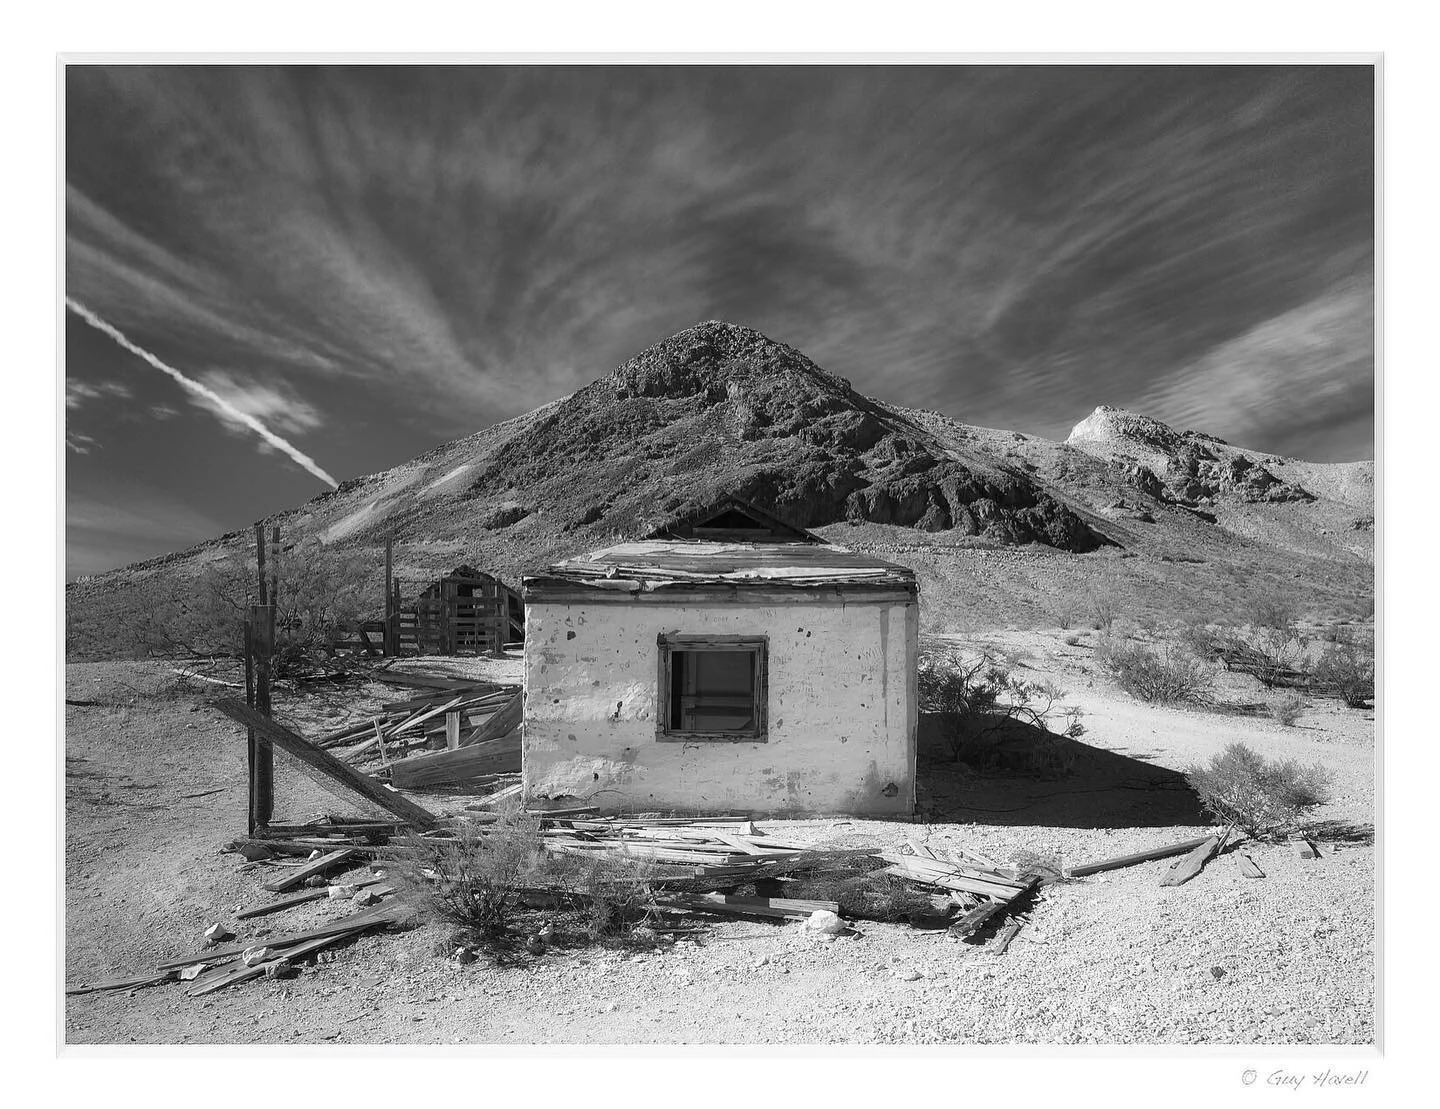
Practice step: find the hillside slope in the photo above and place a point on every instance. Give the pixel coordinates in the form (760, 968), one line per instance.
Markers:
(1001, 527)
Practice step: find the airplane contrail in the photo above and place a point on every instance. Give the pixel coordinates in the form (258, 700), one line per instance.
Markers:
(208, 394)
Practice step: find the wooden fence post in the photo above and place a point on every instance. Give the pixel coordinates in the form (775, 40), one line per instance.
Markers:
(262, 764)
(252, 746)
(388, 640)
(260, 644)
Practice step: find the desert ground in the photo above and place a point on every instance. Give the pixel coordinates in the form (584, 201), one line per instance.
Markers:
(155, 789)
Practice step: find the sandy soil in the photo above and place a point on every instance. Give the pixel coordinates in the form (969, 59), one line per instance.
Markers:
(156, 787)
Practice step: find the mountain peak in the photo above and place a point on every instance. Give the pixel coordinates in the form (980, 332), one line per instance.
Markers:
(1186, 466)
(715, 355)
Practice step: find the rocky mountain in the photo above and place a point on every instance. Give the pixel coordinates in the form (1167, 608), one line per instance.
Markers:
(999, 525)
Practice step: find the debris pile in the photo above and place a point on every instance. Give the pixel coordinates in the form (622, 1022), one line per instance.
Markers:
(457, 731)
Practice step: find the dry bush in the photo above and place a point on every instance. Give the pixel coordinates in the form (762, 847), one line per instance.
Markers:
(979, 697)
(1263, 797)
(615, 894)
(321, 593)
(474, 879)
(1287, 710)
(481, 878)
(1169, 674)
(1348, 669)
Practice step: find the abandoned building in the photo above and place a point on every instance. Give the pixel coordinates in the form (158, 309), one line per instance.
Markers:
(729, 661)
(464, 612)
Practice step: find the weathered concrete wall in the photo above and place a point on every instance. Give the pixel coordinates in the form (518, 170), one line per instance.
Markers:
(842, 709)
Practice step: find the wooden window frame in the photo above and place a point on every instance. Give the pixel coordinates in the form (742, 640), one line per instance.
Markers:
(759, 644)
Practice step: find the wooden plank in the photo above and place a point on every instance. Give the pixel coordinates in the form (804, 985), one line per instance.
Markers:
(132, 982)
(1011, 931)
(244, 973)
(420, 718)
(1191, 865)
(1248, 866)
(975, 919)
(385, 914)
(452, 731)
(438, 767)
(271, 733)
(498, 796)
(1136, 857)
(309, 870)
(779, 907)
(505, 721)
(307, 896)
(426, 681)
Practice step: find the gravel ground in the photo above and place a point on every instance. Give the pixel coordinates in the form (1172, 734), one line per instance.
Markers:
(1111, 959)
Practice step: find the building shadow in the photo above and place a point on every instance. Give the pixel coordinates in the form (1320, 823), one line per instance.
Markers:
(1029, 776)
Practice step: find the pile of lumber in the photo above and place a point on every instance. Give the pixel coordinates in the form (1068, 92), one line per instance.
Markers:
(452, 731)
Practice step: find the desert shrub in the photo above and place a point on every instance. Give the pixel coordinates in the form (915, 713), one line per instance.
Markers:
(1348, 669)
(1073, 640)
(1287, 710)
(320, 594)
(482, 878)
(1263, 797)
(1274, 611)
(1168, 674)
(978, 696)
(474, 879)
(615, 894)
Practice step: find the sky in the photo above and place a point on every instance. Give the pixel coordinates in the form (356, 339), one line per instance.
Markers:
(368, 261)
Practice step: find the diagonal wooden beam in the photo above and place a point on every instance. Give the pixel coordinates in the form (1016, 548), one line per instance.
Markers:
(272, 734)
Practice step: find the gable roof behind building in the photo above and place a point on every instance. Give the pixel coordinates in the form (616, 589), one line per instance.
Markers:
(733, 519)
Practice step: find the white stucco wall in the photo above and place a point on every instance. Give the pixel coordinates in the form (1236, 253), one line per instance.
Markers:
(842, 708)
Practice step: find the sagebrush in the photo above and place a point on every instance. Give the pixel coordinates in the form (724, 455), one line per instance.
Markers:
(320, 595)
(1266, 798)
(1347, 669)
(980, 699)
(483, 878)
(1167, 674)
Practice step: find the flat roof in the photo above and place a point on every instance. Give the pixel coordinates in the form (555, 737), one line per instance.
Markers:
(660, 563)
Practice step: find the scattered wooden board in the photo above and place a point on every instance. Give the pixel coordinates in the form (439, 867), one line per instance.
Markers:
(132, 982)
(271, 733)
(1010, 932)
(385, 914)
(309, 870)
(1191, 865)
(302, 898)
(1137, 857)
(790, 908)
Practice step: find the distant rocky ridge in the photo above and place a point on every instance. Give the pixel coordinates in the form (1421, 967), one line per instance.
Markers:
(1184, 466)
(997, 524)
(719, 408)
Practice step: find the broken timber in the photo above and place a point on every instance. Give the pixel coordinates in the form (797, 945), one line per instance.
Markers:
(270, 733)
(1137, 857)
(386, 914)
(1191, 865)
(309, 870)
(302, 898)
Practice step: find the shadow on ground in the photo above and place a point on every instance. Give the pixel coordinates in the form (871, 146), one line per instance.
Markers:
(1029, 776)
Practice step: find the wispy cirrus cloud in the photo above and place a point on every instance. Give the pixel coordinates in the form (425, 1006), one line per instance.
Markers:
(205, 395)
(274, 404)
(431, 249)
(79, 393)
